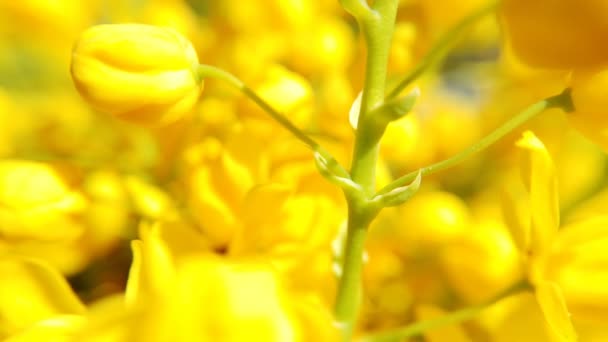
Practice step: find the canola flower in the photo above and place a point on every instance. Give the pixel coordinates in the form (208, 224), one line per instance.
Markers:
(353, 171)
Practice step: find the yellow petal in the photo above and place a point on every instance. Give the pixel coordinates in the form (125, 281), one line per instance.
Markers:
(149, 200)
(577, 263)
(538, 173)
(152, 271)
(31, 291)
(57, 329)
(516, 213)
(215, 297)
(553, 306)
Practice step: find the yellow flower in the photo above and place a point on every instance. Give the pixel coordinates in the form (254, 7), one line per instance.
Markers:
(137, 72)
(560, 34)
(535, 235)
(203, 297)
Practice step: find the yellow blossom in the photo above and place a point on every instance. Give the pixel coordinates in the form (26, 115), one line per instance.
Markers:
(536, 237)
(205, 297)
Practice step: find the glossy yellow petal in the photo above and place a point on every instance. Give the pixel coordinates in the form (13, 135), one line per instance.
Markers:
(153, 270)
(431, 220)
(538, 173)
(553, 306)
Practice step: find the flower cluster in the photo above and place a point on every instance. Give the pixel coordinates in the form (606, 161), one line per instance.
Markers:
(175, 170)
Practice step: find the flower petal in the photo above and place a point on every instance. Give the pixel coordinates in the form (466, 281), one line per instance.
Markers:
(549, 297)
(538, 173)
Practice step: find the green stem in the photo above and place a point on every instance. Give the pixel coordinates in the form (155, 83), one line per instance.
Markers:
(562, 100)
(458, 316)
(211, 71)
(349, 289)
(204, 70)
(281, 119)
(358, 8)
(439, 48)
(377, 26)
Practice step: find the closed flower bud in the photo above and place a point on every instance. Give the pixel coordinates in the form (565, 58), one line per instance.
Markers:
(136, 72)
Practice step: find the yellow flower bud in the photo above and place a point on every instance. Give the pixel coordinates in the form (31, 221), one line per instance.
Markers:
(137, 72)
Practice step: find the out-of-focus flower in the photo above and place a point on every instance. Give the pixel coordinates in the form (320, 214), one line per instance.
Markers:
(137, 72)
(35, 299)
(150, 201)
(325, 48)
(560, 34)
(480, 264)
(36, 202)
(285, 90)
(439, 17)
(205, 297)
(590, 103)
(431, 220)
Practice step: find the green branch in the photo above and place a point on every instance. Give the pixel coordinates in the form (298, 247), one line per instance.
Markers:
(437, 51)
(205, 71)
(455, 317)
(562, 100)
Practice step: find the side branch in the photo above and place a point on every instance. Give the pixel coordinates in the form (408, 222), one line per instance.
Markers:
(562, 100)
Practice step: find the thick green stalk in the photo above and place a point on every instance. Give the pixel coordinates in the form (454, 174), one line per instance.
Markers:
(378, 32)
(349, 293)
(377, 24)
